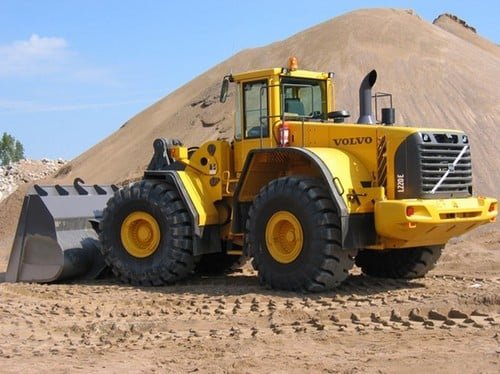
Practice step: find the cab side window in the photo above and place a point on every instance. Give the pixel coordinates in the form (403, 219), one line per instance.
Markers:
(304, 97)
(255, 109)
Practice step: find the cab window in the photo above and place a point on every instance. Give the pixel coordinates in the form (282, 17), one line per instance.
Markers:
(255, 109)
(304, 97)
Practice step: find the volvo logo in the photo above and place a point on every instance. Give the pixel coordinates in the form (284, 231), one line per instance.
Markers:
(353, 141)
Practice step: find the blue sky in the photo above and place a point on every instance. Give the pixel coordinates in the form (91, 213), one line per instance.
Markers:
(72, 72)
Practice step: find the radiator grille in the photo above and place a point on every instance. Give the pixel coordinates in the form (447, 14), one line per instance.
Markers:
(441, 163)
(432, 165)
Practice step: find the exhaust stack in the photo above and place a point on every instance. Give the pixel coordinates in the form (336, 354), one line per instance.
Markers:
(365, 98)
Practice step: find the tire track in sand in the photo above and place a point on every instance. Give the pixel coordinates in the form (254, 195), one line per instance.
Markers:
(63, 320)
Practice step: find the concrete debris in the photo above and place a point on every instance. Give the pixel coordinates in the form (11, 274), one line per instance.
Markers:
(26, 171)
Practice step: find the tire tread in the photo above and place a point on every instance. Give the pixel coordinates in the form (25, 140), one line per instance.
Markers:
(334, 262)
(175, 262)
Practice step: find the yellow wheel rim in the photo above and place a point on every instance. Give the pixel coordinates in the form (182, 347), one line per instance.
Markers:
(140, 234)
(284, 237)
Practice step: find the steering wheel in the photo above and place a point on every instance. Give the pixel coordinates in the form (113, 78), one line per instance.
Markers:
(316, 114)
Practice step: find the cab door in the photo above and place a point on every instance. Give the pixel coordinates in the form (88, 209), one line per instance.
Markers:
(252, 119)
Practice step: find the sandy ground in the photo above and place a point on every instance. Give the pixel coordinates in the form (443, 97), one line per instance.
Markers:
(447, 322)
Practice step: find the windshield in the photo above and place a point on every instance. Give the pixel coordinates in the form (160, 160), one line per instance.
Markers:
(303, 98)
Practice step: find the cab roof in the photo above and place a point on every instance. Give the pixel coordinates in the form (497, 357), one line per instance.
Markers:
(279, 72)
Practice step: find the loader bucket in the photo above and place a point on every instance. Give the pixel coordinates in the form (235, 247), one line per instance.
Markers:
(56, 237)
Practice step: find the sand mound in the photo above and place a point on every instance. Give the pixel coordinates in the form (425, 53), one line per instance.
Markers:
(461, 29)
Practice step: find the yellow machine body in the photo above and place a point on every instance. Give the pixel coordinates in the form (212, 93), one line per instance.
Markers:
(390, 187)
(359, 160)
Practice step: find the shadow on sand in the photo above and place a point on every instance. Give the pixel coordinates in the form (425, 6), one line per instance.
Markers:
(237, 284)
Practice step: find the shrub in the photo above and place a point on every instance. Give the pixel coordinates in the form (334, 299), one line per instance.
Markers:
(11, 150)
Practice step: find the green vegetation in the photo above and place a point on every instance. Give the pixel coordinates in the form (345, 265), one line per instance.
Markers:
(11, 150)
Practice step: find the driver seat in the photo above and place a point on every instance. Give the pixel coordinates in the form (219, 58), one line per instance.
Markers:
(294, 105)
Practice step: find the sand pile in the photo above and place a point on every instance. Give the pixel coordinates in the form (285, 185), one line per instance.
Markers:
(461, 29)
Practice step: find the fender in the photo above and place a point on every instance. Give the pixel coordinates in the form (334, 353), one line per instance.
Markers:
(337, 168)
(203, 213)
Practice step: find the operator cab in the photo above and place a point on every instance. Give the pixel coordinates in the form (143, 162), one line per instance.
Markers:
(267, 100)
(265, 97)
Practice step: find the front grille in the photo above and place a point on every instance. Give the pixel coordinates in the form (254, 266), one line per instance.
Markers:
(438, 163)
(434, 165)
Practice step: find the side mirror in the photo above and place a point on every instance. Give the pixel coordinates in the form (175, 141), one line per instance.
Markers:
(224, 89)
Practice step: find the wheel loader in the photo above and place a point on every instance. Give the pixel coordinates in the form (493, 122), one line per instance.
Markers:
(301, 190)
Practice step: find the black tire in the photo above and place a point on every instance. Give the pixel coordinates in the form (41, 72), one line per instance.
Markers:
(321, 263)
(173, 258)
(398, 263)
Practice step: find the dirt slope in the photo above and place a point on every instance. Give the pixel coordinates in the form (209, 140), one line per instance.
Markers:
(461, 29)
(437, 78)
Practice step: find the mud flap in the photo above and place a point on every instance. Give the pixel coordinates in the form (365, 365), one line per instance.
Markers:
(56, 236)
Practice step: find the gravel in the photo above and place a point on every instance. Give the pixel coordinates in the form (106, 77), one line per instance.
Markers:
(25, 171)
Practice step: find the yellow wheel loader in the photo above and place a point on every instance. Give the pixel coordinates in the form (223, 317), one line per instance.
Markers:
(299, 189)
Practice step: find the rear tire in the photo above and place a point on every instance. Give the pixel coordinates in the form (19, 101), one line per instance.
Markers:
(398, 263)
(302, 247)
(168, 256)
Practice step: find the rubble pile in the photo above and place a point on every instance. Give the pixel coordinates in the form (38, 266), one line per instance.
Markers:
(25, 171)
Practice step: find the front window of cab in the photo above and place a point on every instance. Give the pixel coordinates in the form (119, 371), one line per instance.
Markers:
(303, 98)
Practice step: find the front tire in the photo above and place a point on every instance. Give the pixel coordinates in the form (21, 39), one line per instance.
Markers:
(146, 234)
(293, 235)
(398, 263)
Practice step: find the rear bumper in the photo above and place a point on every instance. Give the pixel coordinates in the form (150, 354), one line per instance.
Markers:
(417, 222)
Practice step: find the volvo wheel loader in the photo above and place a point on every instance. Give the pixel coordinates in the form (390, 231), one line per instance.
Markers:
(299, 189)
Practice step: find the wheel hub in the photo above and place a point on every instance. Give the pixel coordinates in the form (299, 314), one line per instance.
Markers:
(140, 234)
(284, 237)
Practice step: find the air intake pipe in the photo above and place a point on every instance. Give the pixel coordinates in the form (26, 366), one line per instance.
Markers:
(365, 98)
